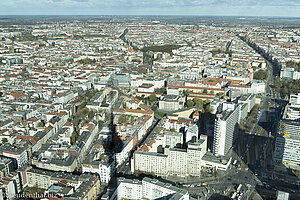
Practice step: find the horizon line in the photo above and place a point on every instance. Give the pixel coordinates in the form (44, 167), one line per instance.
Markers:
(186, 15)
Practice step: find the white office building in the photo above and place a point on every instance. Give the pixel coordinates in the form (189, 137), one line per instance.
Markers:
(257, 87)
(289, 73)
(249, 100)
(171, 102)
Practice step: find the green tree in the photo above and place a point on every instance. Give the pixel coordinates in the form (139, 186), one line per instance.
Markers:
(220, 95)
(186, 93)
(160, 149)
(83, 111)
(197, 99)
(198, 102)
(88, 94)
(160, 90)
(122, 119)
(87, 61)
(136, 174)
(206, 102)
(100, 125)
(287, 87)
(91, 114)
(74, 137)
(208, 108)
(76, 121)
(40, 124)
(4, 140)
(152, 97)
(284, 91)
(260, 131)
(293, 64)
(205, 91)
(101, 156)
(260, 75)
(190, 103)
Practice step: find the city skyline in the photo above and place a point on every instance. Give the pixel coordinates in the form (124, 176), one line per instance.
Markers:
(280, 8)
(131, 105)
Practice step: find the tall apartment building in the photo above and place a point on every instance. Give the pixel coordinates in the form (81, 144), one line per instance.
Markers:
(177, 161)
(287, 144)
(225, 129)
(174, 161)
(154, 163)
(195, 153)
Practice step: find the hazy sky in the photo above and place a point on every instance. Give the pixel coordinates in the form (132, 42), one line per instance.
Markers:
(288, 8)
